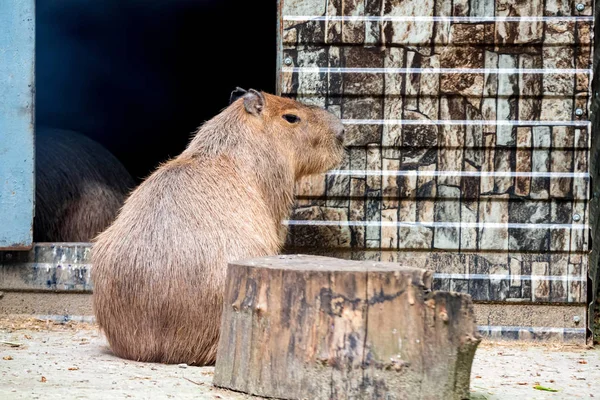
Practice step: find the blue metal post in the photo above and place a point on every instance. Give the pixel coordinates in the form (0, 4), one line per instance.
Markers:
(17, 88)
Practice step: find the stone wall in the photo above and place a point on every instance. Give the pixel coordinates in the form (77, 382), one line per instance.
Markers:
(469, 139)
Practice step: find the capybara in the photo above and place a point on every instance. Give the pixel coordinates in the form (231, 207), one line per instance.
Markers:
(159, 269)
(79, 187)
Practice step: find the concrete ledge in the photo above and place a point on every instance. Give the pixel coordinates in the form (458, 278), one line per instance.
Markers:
(54, 267)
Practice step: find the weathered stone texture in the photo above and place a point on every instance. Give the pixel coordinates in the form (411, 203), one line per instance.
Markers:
(467, 134)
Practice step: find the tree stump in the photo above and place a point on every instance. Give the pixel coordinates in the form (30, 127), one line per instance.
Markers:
(307, 327)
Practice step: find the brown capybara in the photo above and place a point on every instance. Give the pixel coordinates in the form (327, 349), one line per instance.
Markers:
(79, 187)
(159, 269)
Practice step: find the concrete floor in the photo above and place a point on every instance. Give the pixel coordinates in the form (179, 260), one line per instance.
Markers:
(72, 361)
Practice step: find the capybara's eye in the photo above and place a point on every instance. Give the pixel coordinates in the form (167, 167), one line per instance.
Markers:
(291, 118)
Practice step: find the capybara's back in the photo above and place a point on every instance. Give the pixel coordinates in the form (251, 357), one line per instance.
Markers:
(79, 188)
(159, 269)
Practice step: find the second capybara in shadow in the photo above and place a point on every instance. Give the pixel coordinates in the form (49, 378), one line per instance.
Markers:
(79, 186)
(159, 270)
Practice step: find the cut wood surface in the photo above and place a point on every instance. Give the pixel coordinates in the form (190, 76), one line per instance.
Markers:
(309, 327)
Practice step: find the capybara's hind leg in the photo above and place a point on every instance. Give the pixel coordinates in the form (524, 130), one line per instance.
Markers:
(136, 346)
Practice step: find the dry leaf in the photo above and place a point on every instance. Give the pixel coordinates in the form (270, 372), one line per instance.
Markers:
(545, 389)
(73, 368)
(521, 383)
(43, 379)
(582, 362)
(27, 336)
(7, 358)
(11, 344)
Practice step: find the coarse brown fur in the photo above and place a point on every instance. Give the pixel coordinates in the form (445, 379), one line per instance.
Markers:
(159, 270)
(79, 187)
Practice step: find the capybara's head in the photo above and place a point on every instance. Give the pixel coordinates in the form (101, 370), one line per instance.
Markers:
(313, 135)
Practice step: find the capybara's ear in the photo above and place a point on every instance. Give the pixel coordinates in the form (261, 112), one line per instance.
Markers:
(236, 94)
(254, 102)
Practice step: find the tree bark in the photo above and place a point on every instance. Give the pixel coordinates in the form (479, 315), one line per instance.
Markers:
(308, 327)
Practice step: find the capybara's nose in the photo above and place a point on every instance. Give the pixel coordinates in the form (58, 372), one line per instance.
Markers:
(341, 133)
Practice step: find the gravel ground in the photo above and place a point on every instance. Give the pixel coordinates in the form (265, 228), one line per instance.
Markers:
(44, 360)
